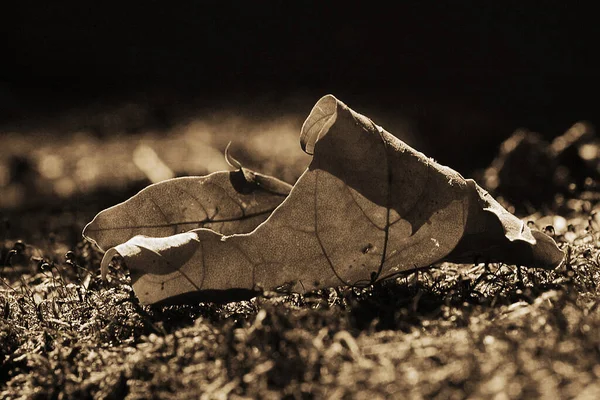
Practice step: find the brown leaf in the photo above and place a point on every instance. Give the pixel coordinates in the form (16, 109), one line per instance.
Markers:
(226, 202)
(367, 207)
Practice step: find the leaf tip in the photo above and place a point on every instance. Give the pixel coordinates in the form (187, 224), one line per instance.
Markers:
(230, 160)
(318, 122)
(87, 233)
(545, 251)
(106, 260)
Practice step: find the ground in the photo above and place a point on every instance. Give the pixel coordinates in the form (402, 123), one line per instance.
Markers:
(452, 331)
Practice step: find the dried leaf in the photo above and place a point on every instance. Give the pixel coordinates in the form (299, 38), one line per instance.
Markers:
(226, 202)
(368, 207)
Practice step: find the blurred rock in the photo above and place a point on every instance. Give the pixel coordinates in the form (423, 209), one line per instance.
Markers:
(529, 172)
(577, 154)
(523, 169)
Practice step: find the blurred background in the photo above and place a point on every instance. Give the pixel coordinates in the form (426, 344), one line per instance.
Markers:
(93, 96)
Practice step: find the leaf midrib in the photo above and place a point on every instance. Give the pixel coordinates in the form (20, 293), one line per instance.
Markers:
(169, 224)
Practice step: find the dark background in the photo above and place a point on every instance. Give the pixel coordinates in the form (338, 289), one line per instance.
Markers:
(466, 76)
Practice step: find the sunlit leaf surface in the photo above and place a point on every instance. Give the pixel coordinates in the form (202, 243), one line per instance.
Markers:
(227, 202)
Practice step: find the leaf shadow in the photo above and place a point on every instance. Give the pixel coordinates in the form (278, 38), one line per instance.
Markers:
(441, 295)
(452, 295)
